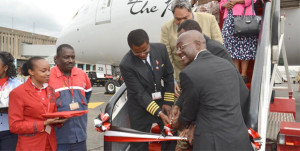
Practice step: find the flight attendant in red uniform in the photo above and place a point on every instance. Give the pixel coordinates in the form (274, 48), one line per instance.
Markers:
(27, 104)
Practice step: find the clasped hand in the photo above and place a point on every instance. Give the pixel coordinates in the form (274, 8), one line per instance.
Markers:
(173, 119)
(189, 133)
(174, 116)
(229, 4)
(165, 118)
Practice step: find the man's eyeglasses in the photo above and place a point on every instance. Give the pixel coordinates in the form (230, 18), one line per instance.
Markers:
(179, 48)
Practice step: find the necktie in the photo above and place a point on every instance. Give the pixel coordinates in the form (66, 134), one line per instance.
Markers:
(150, 69)
(148, 65)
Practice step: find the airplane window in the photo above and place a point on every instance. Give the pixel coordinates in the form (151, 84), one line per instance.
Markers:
(103, 12)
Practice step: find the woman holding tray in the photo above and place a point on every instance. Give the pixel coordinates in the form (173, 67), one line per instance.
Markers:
(27, 104)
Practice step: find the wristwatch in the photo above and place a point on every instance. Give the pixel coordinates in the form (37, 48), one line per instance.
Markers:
(158, 113)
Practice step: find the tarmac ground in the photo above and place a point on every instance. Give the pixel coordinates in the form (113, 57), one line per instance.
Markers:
(95, 141)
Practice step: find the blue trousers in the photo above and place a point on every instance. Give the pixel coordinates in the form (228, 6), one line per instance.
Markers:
(80, 146)
(8, 141)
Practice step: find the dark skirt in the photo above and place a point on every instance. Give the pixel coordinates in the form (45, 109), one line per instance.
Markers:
(239, 47)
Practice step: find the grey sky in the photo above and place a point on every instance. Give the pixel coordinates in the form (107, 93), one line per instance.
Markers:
(45, 17)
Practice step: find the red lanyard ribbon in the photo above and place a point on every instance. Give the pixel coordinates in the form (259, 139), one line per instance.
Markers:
(4, 85)
(71, 90)
(47, 101)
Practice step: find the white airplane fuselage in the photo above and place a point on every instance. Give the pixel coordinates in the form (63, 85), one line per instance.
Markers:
(99, 33)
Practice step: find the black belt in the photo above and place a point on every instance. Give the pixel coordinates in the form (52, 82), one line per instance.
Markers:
(4, 110)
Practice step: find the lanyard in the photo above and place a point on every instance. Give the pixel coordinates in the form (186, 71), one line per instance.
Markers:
(4, 85)
(152, 72)
(48, 106)
(69, 87)
(2, 91)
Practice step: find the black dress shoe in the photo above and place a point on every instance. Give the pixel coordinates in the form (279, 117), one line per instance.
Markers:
(245, 79)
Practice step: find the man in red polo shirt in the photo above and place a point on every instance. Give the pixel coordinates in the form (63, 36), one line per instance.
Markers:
(72, 90)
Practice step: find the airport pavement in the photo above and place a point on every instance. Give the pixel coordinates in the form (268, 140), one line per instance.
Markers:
(97, 103)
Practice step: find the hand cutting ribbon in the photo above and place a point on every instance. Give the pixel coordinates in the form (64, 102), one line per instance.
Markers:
(118, 134)
(168, 130)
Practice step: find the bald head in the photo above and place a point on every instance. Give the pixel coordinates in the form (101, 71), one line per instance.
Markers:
(193, 35)
(189, 44)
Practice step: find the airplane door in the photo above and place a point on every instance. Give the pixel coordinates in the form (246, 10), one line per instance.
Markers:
(103, 12)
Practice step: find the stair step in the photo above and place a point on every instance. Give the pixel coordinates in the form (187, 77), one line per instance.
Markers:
(274, 120)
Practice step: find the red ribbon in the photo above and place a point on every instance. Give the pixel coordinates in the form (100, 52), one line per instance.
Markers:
(118, 134)
(135, 139)
(255, 138)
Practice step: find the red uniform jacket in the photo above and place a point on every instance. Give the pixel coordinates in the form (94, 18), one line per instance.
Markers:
(25, 110)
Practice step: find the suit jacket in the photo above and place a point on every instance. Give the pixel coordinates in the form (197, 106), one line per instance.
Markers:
(219, 50)
(140, 83)
(25, 117)
(168, 37)
(211, 99)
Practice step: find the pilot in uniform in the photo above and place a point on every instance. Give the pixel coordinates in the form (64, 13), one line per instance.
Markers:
(143, 68)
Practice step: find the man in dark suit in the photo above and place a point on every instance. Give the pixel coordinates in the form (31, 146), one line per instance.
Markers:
(143, 68)
(211, 97)
(219, 50)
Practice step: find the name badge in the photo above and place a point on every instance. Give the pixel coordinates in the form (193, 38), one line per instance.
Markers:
(48, 129)
(156, 95)
(74, 106)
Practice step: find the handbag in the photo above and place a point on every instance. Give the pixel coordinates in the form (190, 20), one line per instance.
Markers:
(247, 25)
